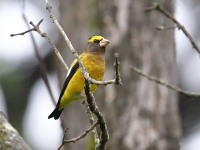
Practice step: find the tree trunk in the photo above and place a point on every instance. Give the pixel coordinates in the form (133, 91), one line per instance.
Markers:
(140, 114)
(145, 112)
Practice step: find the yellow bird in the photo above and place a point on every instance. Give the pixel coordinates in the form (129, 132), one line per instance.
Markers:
(93, 60)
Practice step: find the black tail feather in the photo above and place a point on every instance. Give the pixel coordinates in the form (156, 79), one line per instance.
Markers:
(56, 113)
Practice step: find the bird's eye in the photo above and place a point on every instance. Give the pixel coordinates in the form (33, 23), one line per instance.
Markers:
(96, 41)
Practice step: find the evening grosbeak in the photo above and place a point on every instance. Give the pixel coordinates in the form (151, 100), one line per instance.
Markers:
(94, 62)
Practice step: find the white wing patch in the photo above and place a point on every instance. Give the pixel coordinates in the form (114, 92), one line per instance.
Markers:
(68, 72)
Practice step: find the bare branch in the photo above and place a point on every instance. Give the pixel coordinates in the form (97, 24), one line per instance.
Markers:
(94, 108)
(117, 73)
(22, 33)
(73, 140)
(35, 27)
(62, 144)
(117, 79)
(163, 83)
(44, 35)
(158, 7)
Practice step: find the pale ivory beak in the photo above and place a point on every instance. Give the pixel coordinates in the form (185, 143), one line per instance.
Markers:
(104, 42)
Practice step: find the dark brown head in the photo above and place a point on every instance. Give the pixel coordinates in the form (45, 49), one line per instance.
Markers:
(96, 44)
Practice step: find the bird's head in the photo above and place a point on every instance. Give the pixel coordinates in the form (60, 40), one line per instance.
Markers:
(97, 44)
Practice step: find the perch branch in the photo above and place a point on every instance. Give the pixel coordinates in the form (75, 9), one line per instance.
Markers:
(94, 108)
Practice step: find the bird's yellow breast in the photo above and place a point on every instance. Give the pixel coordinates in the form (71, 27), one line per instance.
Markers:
(95, 66)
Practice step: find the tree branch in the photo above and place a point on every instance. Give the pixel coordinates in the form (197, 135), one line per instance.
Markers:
(73, 140)
(94, 108)
(158, 7)
(163, 83)
(44, 35)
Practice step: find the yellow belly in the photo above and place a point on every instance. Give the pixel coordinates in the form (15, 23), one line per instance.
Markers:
(75, 89)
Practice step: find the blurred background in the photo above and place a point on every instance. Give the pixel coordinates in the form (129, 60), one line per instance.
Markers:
(24, 98)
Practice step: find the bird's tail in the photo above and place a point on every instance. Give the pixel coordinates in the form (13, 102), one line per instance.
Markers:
(56, 113)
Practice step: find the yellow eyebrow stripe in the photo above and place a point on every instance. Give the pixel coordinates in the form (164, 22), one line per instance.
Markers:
(96, 37)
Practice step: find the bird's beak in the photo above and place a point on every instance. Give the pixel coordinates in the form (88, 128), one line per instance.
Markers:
(104, 42)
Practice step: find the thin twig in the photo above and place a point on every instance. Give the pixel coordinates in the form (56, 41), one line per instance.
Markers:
(158, 7)
(35, 28)
(163, 83)
(117, 73)
(44, 35)
(62, 144)
(73, 140)
(22, 33)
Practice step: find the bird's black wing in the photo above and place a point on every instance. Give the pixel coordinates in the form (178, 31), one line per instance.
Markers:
(56, 113)
(70, 75)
